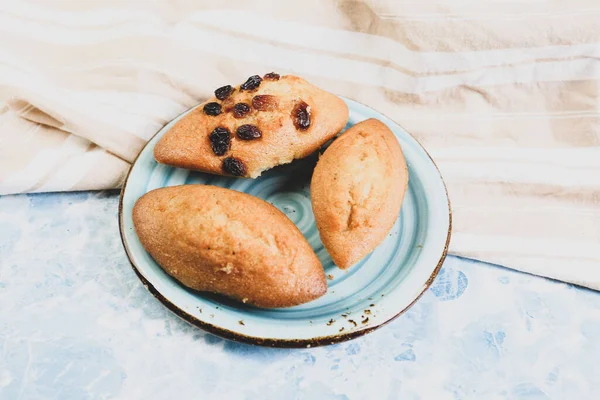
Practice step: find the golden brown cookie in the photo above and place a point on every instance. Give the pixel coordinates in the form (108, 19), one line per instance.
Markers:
(218, 240)
(357, 190)
(247, 129)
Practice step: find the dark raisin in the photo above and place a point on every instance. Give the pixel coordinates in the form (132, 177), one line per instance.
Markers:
(234, 166)
(264, 102)
(240, 110)
(252, 83)
(223, 92)
(220, 140)
(272, 76)
(248, 132)
(213, 109)
(301, 116)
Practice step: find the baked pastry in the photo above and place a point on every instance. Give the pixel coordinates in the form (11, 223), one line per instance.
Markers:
(218, 240)
(357, 190)
(247, 129)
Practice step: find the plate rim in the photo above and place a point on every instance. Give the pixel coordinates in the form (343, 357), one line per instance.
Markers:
(271, 342)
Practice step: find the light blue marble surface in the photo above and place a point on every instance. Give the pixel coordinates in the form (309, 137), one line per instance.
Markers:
(76, 323)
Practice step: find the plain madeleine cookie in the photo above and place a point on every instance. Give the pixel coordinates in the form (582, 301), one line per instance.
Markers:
(213, 239)
(247, 129)
(357, 190)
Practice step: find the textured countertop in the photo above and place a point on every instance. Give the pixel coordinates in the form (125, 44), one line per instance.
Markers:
(76, 323)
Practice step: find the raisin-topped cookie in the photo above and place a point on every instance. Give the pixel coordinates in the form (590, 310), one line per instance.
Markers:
(247, 129)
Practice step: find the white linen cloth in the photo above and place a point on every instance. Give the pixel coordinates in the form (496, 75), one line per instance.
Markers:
(504, 96)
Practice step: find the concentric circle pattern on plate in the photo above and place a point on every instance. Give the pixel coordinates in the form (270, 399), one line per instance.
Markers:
(369, 294)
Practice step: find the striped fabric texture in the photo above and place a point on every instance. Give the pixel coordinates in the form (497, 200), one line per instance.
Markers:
(504, 96)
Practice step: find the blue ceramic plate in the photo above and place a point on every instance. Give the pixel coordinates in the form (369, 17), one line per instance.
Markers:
(359, 300)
